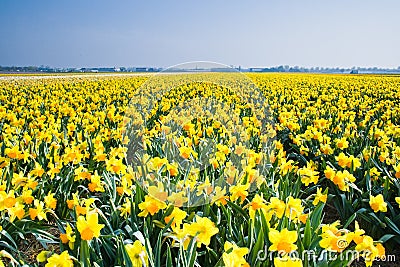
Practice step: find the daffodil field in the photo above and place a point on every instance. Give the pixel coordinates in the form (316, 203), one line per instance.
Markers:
(262, 170)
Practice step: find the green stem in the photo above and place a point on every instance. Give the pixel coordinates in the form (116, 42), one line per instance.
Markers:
(85, 255)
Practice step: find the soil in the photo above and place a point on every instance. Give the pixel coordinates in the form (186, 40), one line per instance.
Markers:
(30, 248)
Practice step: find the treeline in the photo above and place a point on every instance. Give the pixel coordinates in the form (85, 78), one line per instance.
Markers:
(325, 70)
(354, 70)
(27, 69)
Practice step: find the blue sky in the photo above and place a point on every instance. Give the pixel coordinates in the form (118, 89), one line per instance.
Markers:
(326, 33)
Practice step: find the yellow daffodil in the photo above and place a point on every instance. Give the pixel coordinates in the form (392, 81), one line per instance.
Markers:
(137, 254)
(234, 255)
(89, 226)
(377, 203)
(62, 260)
(68, 237)
(202, 229)
(151, 206)
(282, 241)
(319, 197)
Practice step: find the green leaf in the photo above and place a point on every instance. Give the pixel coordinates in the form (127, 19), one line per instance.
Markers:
(168, 260)
(392, 225)
(307, 235)
(238, 209)
(258, 246)
(386, 237)
(350, 220)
